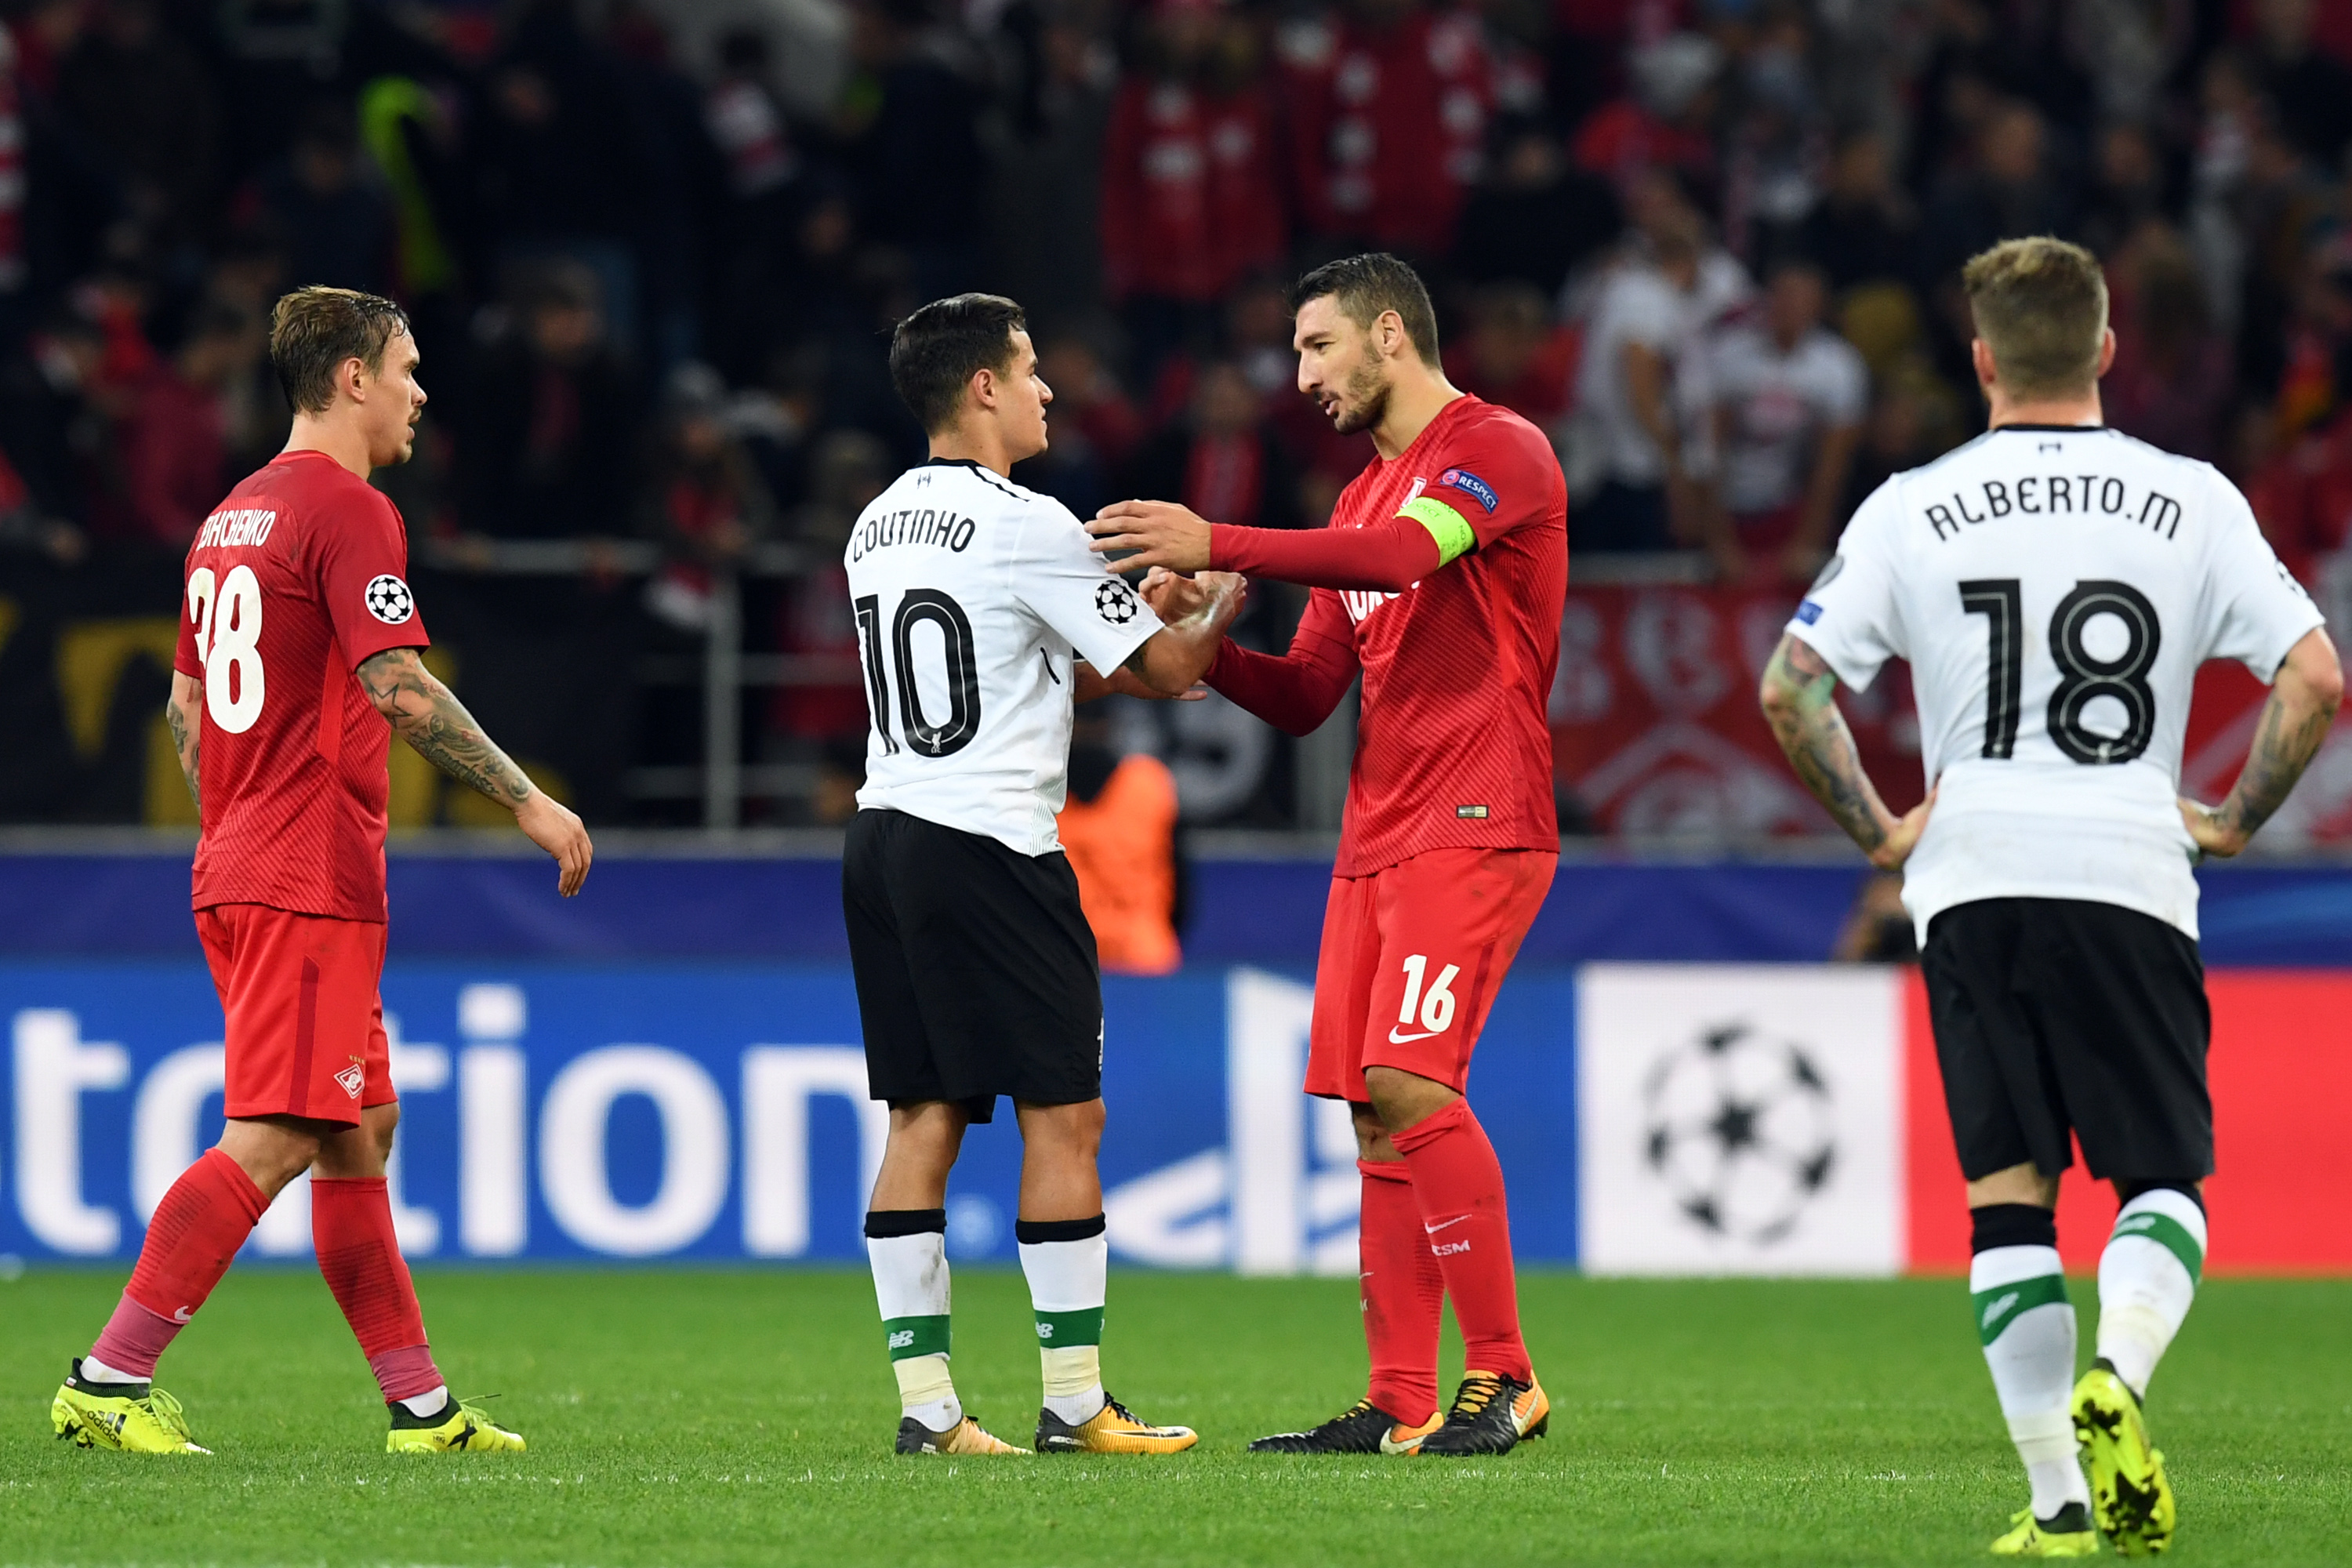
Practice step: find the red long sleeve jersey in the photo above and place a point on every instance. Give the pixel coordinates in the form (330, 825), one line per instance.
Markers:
(293, 582)
(1451, 747)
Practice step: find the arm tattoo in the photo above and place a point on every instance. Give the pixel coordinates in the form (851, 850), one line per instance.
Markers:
(2284, 746)
(185, 745)
(429, 716)
(1798, 685)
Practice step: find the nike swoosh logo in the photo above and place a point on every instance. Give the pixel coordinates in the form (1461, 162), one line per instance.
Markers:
(1397, 1039)
(1444, 1224)
(185, 1314)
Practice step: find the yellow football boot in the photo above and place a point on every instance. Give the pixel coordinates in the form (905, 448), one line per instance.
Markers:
(129, 1417)
(967, 1437)
(460, 1427)
(2066, 1533)
(1113, 1429)
(2129, 1488)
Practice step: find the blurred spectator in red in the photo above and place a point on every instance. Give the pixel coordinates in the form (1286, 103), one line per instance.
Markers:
(1515, 354)
(142, 97)
(2312, 89)
(1664, 121)
(703, 499)
(175, 439)
(546, 419)
(1191, 190)
(813, 619)
(1389, 104)
(1865, 229)
(330, 211)
(2302, 495)
(2171, 382)
(1221, 459)
(1789, 396)
(1535, 217)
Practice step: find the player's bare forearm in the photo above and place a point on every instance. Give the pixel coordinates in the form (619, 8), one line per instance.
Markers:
(1089, 685)
(429, 716)
(2292, 727)
(1173, 658)
(184, 713)
(1796, 696)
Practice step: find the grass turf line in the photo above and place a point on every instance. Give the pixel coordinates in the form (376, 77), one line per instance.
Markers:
(746, 1417)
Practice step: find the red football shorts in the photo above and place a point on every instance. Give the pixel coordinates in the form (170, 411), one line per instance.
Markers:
(1412, 958)
(305, 1022)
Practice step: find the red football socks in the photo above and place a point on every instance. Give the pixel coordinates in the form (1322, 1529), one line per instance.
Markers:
(1403, 1294)
(195, 1232)
(1467, 1225)
(350, 1224)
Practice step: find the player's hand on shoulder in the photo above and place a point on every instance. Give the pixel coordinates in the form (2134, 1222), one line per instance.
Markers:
(2213, 835)
(1896, 847)
(1158, 532)
(557, 828)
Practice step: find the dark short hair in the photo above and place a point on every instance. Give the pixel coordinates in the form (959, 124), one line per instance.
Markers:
(1365, 287)
(936, 352)
(312, 331)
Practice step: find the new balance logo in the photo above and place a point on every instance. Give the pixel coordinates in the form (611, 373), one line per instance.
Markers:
(2000, 1308)
(900, 1339)
(1045, 1331)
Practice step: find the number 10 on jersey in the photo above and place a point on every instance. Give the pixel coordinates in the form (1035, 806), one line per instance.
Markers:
(918, 607)
(226, 613)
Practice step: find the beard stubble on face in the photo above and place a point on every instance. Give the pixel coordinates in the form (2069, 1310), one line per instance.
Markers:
(1366, 401)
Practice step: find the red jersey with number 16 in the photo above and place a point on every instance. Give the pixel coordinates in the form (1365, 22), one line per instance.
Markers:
(1451, 747)
(293, 580)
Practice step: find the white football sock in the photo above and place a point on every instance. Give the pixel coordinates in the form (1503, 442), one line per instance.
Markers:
(431, 1403)
(1067, 1274)
(910, 1286)
(2147, 1277)
(96, 1371)
(2027, 1326)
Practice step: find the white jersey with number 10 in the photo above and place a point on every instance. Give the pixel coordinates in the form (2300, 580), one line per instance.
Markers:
(2056, 589)
(973, 596)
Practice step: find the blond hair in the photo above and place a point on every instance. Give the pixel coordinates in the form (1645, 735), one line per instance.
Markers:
(314, 329)
(2041, 306)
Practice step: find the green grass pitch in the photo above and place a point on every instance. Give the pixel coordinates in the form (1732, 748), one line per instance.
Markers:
(745, 1417)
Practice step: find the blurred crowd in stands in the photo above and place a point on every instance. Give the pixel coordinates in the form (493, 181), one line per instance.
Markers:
(652, 249)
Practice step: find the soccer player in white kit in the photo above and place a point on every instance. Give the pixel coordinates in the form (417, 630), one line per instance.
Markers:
(981, 613)
(2056, 585)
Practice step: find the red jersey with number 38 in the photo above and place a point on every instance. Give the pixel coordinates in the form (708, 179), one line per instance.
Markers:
(293, 580)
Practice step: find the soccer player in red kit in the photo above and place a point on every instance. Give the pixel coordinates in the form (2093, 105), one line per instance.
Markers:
(298, 640)
(1440, 578)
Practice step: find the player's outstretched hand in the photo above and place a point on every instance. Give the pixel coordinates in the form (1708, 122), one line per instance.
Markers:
(1161, 532)
(557, 828)
(1174, 597)
(1896, 847)
(2213, 836)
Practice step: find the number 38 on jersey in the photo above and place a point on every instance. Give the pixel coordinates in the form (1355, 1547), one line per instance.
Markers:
(226, 614)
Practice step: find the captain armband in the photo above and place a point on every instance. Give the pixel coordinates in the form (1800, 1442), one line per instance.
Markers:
(1447, 527)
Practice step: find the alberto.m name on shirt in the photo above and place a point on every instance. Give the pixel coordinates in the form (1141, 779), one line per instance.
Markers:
(237, 526)
(2040, 495)
(915, 525)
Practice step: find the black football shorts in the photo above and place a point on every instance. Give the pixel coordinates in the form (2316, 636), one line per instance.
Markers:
(2059, 1016)
(975, 968)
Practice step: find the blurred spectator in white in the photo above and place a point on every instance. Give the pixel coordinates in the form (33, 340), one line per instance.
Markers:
(2171, 382)
(1777, 150)
(1389, 103)
(1535, 219)
(1642, 396)
(1191, 190)
(1789, 396)
(703, 499)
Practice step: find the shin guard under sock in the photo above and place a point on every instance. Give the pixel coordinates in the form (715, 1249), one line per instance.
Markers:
(1067, 1263)
(2147, 1277)
(908, 1251)
(197, 1229)
(1458, 1185)
(2027, 1327)
(1403, 1294)
(350, 1226)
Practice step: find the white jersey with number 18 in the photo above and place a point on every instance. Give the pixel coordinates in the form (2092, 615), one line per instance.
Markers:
(2056, 589)
(973, 596)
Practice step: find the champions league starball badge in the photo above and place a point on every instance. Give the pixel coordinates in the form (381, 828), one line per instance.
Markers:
(1116, 603)
(389, 600)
